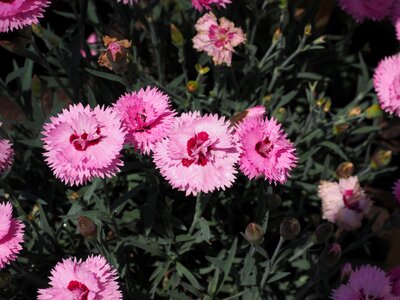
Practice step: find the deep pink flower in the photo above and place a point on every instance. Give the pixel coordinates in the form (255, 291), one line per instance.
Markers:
(6, 154)
(147, 117)
(394, 275)
(199, 154)
(92, 279)
(367, 9)
(92, 42)
(366, 282)
(11, 235)
(15, 14)
(218, 40)
(387, 84)
(206, 4)
(344, 203)
(265, 150)
(82, 143)
(396, 190)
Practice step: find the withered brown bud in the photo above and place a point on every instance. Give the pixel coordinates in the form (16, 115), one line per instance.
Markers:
(192, 86)
(345, 169)
(86, 227)
(254, 233)
(290, 228)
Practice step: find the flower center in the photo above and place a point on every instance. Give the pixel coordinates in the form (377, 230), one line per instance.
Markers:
(220, 35)
(139, 121)
(264, 147)
(351, 200)
(198, 150)
(79, 290)
(82, 141)
(7, 1)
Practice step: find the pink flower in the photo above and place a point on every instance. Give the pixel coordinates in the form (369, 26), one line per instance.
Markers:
(199, 154)
(6, 154)
(206, 4)
(387, 84)
(344, 203)
(396, 190)
(15, 14)
(11, 235)
(147, 117)
(394, 275)
(74, 279)
(82, 143)
(397, 25)
(128, 1)
(265, 150)
(218, 40)
(367, 9)
(92, 41)
(366, 282)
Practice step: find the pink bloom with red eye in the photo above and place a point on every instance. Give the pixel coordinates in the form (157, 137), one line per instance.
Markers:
(217, 39)
(15, 14)
(367, 9)
(206, 4)
(396, 190)
(265, 150)
(6, 154)
(147, 116)
(394, 275)
(82, 143)
(366, 282)
(199, 154)
(344, 203)
(11, 235)
(92, 279)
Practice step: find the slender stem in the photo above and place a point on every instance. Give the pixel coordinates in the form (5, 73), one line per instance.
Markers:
(198, 211)
(271, 263)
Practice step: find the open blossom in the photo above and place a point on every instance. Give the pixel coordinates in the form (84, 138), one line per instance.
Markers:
(199, 154)
(73, 279)
(387, 84)
(265, 150)
(15, 14)
(344, 203)
(206, 4)
(11, 235)
(366, 282)
(146, 115)
(6, 154)
(218, 38)
(82, 143)
(396, 190)
(367, 9)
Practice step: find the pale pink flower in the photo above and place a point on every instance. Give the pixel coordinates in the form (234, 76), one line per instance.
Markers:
(92, 279)
(265, 150)
(147, 116)
(15, 14)
(217, 40)
(82, 143)
(367, 9)
(387, 84)
(396, 190)
(394, 275)
(344, 203)
(92, 42)
(128, 1)
(6, 154)
(199, 154)
(206, 4)
(366, 282)
(11, 235)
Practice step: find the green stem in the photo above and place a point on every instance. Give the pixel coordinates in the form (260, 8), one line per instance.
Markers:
(271, 263)
(201, 203)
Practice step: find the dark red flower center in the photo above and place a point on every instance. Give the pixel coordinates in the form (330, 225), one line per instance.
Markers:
(351, 200)
(197, 151)
(7, 1)
(79, 290)
(140, 123)
(82, 141)
(264, 147)
(363, 296)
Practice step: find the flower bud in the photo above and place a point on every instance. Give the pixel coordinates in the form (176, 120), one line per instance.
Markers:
(5, 279)
(380, 159)
(73, 196)
(176, 36)
(356, 111)
(290, 228)
(327, 105)
(37, 29)
(280, 114)
(323, 233)
(277, 36)
(340, 128)
(192, 86)
(308, 29)
(116, 57)
(330, 256)
(273, 201)
(345, 170)
(201, 70)
(374, 111)
(254, 233)
(345, 272)
(86, 227)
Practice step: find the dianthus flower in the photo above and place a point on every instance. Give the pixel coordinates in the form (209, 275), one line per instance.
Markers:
(199, 154)
(11, 235)
(387, 84)
(115, 57)
(15, 14)
(367, 9)
(265, 150)
(128, 1)
(206, 4)
(344, 203)
(217, 40)
(6, 154)
(92, 279)
(146, 116)
(396, 190)
(394, 275)
(366, 282)
(252, 112)
(82, 143)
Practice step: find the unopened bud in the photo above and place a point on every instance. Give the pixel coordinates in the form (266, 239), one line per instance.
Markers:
(37, 29)
(201, 70)
(33, 213)
(280, 114)
(380, 159)
(308, 29)
(73, 196)
(36, 87)
(254, 233)
(340, 128)
(277, 36)
(5, 279)
(273, 201)
(374, 111)
(323, 233)
(356, 111)
(290, 228)
(345, 272)
(330, 256)
(86, 227)
(327, 105)
(192, 86)
(176, 36)
(345, 170)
